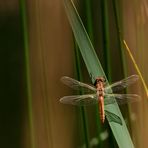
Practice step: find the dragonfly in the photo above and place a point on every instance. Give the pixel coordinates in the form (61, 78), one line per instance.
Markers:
(100, 93)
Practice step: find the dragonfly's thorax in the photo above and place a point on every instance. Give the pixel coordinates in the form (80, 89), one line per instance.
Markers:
(99, 83)
(100, 89)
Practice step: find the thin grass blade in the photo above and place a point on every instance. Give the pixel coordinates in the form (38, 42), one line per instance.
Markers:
(136, 67)
(23, 15)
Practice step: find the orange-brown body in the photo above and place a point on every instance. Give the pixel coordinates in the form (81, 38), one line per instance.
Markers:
(99, 83)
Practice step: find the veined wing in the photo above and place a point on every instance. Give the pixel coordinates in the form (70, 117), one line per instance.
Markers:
(121, 98)
(77, 85)
(122, 84)
(80, 100)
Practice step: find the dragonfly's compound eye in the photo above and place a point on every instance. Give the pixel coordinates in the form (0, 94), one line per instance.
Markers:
(96, 81)
(101, 79)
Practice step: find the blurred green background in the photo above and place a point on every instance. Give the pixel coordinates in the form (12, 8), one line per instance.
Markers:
(37, 49)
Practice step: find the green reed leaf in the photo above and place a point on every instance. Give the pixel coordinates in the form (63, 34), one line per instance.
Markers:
(95, 69)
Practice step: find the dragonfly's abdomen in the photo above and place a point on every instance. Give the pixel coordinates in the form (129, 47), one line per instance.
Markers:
(101, 108)
(100, 93)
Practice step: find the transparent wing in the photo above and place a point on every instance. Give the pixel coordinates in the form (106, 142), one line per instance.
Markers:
(77, 85)
(121, 98)
(122, 84)
(113, 117)
(80, 100)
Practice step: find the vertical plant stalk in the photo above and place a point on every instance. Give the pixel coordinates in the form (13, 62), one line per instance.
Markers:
(22, 5)
(106, 45)
(121, 52)
(89, 28)
(119, 36)
(106, 42)
(136, 67)
(82, 109)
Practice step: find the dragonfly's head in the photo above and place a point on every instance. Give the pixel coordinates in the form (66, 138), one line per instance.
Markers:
(99, 79)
